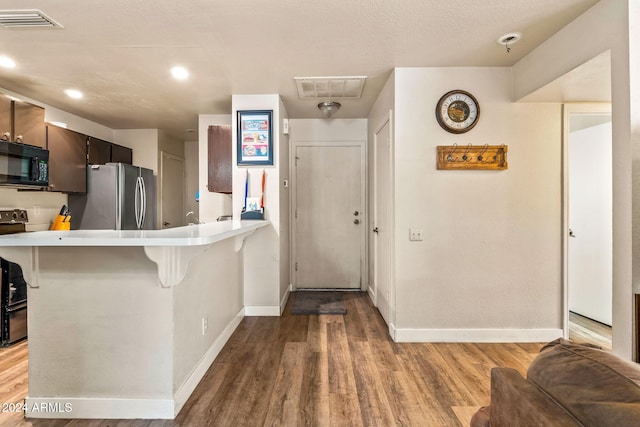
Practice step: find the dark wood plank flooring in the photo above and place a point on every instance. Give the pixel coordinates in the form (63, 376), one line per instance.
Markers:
(319, 371)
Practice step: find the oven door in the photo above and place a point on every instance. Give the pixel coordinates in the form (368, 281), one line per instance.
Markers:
(15, 324)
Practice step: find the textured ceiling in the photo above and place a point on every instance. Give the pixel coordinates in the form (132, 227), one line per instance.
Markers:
(119, 52)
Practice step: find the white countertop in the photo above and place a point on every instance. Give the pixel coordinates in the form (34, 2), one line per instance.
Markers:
(192, 235)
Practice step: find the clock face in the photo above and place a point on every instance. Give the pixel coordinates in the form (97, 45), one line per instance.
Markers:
(457, 111)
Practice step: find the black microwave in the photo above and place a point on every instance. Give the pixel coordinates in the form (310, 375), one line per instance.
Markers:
(23, 165)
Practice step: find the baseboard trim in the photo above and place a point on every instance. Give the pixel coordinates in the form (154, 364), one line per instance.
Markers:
(473, 335)
(285, 298)
(262, 310)
(184, 391)
(100, 408)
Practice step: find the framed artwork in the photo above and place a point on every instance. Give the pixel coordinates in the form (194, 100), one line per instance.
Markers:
(255, 138)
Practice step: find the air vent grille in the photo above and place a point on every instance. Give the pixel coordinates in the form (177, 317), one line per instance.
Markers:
(30, 18)
(330, 87)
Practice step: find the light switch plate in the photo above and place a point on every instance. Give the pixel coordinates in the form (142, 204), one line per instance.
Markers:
(285, 126)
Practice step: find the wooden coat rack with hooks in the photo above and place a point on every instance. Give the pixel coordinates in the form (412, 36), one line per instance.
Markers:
(472, 157)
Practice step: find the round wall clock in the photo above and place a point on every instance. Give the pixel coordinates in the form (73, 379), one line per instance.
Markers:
(457, 111)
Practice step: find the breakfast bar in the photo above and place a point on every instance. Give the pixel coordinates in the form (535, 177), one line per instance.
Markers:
(124, 324)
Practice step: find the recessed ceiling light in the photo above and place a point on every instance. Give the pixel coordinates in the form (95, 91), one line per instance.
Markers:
(179, 73)
(72, 93)
(7, 62)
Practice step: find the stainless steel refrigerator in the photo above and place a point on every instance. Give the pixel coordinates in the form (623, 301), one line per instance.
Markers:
(119, 197)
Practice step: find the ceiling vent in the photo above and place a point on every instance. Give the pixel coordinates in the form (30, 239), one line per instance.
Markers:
(330, 87)
(31, 18)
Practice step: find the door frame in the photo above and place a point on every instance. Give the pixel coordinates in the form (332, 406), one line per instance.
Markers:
(374, 194)
(363, 200)
(163, 155)
(567, 110)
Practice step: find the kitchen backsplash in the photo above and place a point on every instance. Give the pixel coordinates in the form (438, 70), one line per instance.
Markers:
(41, 206)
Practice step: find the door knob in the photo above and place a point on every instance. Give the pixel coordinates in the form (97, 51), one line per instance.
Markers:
(356, 213)
(375, 230)
(571, 233)
(356, 221)
(166, 223)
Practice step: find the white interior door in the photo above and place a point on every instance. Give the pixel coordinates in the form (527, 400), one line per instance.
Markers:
(328, 215)
(172, 187)
(383, 223)
(590, 259)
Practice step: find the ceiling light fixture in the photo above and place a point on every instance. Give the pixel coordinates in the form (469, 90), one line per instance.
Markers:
(72, 93)
(509, 39)
(7, 62)
(329, 108)
(179, 73)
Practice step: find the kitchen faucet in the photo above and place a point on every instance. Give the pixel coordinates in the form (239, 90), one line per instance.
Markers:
(194, 216)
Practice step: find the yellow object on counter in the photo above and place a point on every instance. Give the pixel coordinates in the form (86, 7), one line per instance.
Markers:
(61, 222)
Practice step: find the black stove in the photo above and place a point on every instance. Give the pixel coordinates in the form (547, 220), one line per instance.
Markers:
(13, 308)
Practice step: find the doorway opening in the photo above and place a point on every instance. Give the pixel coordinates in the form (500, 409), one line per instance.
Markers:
(329, 218)
(589, 222)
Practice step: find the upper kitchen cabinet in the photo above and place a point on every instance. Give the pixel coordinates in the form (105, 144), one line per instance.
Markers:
(120, 154)
(5, 117)
(98, 151)
(219, 159)
(67, 160)
(28, 124)
(101, 152)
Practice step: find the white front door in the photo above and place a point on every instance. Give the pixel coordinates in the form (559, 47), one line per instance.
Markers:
(382, 221)
(172, 213)
(328, 214)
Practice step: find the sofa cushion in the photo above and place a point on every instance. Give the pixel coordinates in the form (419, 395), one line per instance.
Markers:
(593, 385)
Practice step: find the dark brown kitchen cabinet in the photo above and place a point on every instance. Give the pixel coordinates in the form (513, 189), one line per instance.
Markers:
(120, 154)
(5, 117)
(98, 151)
(67, 160)
(101, 152)
(28, 124)
(219, 159)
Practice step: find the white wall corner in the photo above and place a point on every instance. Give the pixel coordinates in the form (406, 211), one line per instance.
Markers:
(186, 389)
(285, 298)
(262, 310)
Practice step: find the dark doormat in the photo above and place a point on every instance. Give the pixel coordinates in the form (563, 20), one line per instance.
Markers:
(318, 302)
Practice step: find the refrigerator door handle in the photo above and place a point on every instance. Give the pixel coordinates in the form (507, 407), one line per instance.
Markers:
(143, 193)
(137, 202)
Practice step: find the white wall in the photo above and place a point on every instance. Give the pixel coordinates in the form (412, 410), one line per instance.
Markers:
(489, 265)
(212, 205)
(144, 143)
(609, 25)
(266, 262)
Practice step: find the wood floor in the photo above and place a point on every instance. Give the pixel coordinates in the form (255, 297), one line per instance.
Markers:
(585, 330)
(319, 370)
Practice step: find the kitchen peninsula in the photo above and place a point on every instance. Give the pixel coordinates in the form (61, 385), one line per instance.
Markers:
(124, 324)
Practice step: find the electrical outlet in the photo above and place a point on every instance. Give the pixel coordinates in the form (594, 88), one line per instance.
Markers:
(415, 234)
(205, 324)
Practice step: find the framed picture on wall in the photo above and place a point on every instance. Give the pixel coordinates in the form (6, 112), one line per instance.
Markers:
(255, 138)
